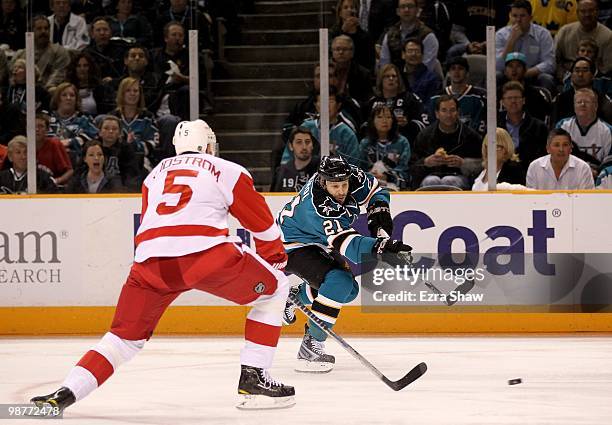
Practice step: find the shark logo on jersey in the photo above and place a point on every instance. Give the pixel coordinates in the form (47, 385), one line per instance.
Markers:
(359, 174)
(328, 206)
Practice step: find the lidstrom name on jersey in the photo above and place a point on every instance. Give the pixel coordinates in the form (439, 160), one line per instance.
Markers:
(198, 161)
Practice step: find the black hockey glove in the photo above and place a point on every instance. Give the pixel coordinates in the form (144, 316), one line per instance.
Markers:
(390, 246)
(379, 217)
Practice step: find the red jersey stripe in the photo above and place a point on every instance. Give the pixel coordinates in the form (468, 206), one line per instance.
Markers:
(98, 365)
(261, 333)
(182, 230)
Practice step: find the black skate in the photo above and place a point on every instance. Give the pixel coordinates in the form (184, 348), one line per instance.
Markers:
(258, 390)
(289, 311)
(312, 357)
(61, 399)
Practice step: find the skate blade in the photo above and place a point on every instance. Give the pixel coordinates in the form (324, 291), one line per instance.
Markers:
(306, 366)
(262, 402)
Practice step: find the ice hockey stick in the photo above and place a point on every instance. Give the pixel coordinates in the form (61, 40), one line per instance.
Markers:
(414, 374)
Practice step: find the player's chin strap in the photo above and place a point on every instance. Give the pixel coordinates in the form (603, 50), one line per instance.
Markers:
(464, 288)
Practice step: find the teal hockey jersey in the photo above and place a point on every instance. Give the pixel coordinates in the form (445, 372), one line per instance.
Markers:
(314, 217)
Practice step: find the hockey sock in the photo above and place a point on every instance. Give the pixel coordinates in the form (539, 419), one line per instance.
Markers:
(99, 363)
(327, 310)
(262, 329)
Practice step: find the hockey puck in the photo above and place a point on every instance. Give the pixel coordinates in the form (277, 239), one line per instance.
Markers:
(515, 381)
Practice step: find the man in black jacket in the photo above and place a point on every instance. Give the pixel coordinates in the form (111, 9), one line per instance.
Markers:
(582, 77)
(352, 79)
(538, 100)
(107, 53)
(528, 133)
(446, 149)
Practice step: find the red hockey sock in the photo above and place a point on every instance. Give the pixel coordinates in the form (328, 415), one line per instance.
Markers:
(98, 365)
(261, 333)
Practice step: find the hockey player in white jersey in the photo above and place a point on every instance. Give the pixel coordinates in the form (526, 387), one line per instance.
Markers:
(183, 243)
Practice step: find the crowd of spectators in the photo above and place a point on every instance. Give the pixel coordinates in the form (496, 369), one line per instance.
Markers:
(112, 82)
(423, 122)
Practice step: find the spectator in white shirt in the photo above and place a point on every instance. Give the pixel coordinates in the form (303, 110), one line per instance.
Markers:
(67, 29)
(559, 170)
(592, 135)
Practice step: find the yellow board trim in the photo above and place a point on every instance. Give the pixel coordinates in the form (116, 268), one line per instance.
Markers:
(289, 194)
(219, 320)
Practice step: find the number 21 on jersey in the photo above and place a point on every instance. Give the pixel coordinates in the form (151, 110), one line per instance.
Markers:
(328, 227)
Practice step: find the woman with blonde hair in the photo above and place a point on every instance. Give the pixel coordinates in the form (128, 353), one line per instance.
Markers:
(68, 124)
(138, 124)
(510, 174)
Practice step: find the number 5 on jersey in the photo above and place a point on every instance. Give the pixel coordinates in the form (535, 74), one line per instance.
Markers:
(183, 189)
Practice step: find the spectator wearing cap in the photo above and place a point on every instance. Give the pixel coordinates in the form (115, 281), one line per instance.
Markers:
(538, 101)
(559, 170)
(530, 39)
(581, 77)
(568, 38)
(472, 99)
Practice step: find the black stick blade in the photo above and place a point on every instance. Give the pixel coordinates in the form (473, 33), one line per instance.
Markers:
(463, 289)
(414, 374)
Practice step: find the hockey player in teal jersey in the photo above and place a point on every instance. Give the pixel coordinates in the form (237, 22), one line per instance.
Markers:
(317, 233)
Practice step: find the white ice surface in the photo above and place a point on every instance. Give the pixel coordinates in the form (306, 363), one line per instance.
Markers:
(566, 380)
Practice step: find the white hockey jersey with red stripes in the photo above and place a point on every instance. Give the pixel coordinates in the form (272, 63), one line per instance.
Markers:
(186, 200)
